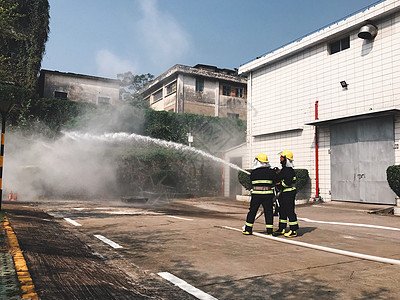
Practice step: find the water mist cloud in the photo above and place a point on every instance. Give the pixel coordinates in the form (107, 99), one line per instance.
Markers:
(109, 65)
(163, 36)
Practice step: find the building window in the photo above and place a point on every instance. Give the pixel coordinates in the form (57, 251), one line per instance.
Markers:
(233, 116)
(60, 95)
(340, 45)
(171, 88)
(103, 100)
(199, 85)
(239, 92)
(157, 96)
(226, 90)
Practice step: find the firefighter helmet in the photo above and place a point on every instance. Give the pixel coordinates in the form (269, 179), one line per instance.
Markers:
(288, 154)
(262, 157)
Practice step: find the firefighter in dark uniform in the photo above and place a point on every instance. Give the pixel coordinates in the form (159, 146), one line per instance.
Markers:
(263, 180)
(287, 186)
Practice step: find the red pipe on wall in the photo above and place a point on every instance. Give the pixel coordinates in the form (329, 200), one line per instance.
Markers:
(316, 155)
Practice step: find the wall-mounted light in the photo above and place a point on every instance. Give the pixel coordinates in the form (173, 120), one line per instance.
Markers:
(368, 32)
(344, 84)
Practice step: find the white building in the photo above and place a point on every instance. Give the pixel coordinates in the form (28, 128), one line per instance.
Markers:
(352, 79)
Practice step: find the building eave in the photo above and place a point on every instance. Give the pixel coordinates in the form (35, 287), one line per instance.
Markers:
(182, 69)
(354, 117)
(371, 13)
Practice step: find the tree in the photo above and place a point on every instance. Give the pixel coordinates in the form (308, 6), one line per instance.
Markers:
(23, 34)
(130, 85)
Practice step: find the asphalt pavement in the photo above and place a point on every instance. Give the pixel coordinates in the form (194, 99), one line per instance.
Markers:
(54, 249)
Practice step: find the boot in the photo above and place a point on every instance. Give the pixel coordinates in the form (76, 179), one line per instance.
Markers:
(291, 233)
(278, 232)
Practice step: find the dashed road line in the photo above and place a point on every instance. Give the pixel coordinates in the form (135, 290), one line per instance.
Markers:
(323, 248)
(72, 222)
(199, 294)
(107, 241)
(180, 218)
(349, 224)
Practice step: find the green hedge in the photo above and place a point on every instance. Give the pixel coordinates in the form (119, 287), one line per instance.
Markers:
(211, 134)
(160, 169)
(393, 178)
(302, 178)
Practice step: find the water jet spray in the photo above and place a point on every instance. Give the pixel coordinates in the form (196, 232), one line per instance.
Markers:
(124, 137)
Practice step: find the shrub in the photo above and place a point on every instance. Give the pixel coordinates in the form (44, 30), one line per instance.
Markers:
(393, 178)
(302, 178)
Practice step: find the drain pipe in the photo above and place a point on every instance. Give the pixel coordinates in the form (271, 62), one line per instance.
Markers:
(316, 155)
(222, 177)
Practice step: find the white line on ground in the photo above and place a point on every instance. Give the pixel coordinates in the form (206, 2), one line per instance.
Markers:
(323, 248)
(350, 224)
(72, 222)
(199, 294)
(180, 218)
(341, 208)
(107, 241)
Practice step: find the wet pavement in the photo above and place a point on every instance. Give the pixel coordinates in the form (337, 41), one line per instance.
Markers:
(197, 241)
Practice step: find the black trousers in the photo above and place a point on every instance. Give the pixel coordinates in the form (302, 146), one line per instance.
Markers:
(286, 210)
(267, 202)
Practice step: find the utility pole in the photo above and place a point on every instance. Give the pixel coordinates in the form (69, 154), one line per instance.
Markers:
(5, 108)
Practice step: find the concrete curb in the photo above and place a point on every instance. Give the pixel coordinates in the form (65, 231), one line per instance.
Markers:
(25, 280)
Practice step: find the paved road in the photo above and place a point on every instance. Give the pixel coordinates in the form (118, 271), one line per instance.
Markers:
(195, 240)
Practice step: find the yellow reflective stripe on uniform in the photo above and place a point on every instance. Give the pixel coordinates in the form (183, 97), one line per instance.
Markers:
(249, 224)
(285, 185)
(269, 226)
(289, 189)
(282, 221)
(293, 223)
(262, 192)
(261, 181)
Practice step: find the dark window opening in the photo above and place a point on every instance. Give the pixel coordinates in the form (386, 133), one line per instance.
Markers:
(157, 96)
(226, 90)
(340, 45)
(199, 85)
(60, 95)
(171, 88)
(239, 92)
(233, 116)
(103, 100)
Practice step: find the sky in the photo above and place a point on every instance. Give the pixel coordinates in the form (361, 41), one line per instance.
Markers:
(108, 37)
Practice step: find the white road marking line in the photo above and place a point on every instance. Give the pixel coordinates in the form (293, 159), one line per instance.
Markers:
(323, 248)
(107, 241)
(199, 294)
(350, 224)
(72, 222)
(180, 218)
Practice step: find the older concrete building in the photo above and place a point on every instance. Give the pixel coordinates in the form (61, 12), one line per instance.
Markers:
(201, 89)
(333, 98)
(77, 87)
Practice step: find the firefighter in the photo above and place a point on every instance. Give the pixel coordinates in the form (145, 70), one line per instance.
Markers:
(263, 180)
(287, 186)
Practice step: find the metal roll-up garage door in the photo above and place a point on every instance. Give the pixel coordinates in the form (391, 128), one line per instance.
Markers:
(361, 151)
